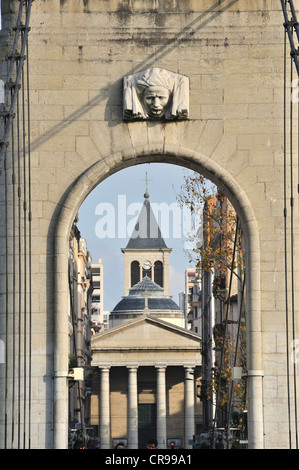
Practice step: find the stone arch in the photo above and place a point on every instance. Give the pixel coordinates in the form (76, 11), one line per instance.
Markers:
(158, 273)
(135, 273)
(66, 211)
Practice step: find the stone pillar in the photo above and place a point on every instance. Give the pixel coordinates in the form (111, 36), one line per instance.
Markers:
(189, 406)
(255, 409)
(105, 409)
(61, 353)
(161, 407)
(132, 408)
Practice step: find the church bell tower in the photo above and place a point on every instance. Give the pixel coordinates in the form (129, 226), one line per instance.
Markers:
(146, 253)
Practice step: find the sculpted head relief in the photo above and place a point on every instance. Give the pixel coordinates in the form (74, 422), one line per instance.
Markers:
(156, 94)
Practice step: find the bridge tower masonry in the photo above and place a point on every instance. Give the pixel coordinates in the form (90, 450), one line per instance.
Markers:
(230, 128)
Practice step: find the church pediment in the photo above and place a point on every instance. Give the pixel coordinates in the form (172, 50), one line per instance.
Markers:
(146, 340)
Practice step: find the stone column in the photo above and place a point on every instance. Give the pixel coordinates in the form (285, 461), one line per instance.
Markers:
(132, 408)
(189, 406)
(105, 409)
(255, 409)
(161, 407)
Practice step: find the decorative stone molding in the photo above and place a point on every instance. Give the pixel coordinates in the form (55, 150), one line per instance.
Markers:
(155, 94)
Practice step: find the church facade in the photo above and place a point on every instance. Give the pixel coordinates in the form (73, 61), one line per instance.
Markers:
(145, 386)
(148, 364)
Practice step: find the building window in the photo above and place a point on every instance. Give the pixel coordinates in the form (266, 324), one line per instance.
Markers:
(190, 293)
(195, 312)
(135, 273)
(158, 273)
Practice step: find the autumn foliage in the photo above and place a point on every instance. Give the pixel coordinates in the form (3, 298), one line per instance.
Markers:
(220, 247)
(219, 251)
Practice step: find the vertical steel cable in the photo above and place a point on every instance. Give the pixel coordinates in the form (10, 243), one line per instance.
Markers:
(24, 332)
(292, 257)
(7, 126)
(7, 117)
(27, 241)
(18, 307)
(6, 300)
(285, 247)
(290, 26)
(30, 250)
(13, 283)
(20, 272)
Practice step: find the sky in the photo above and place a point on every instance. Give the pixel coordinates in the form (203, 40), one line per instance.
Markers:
(108, 215)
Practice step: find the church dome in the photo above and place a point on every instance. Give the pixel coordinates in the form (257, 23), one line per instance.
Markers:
(145, 297)
(146, 284)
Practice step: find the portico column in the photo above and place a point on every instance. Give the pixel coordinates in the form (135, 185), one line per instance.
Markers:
(132, 408)
(189, 406)
(161, 407)
(105, 409)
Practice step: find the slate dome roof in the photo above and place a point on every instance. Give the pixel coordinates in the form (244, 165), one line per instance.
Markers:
(146, 283)
(135, 301)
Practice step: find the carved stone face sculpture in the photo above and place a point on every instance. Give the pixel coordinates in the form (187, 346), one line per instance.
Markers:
(155, 99)
(155, 94)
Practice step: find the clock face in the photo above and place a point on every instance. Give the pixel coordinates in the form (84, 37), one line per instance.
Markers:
(147, 265)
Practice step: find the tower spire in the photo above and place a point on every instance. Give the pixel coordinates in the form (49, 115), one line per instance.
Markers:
(146, 194)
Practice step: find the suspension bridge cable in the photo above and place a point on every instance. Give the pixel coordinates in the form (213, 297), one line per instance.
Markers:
(13, 282)
(7, 126)
(6, 301)
(292, 256)
(18, 217)
(20, 271)
(29, 248)
(286, 248)
(290, 26)
(293, 13)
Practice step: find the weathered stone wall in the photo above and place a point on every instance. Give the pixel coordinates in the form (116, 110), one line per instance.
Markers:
(232, 52)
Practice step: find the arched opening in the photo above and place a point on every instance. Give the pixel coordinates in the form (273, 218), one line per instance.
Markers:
(219, 176)
(158, 273)
(135, 272)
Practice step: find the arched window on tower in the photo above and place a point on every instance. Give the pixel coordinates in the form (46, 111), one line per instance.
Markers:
(135, 273)
(158, 273)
